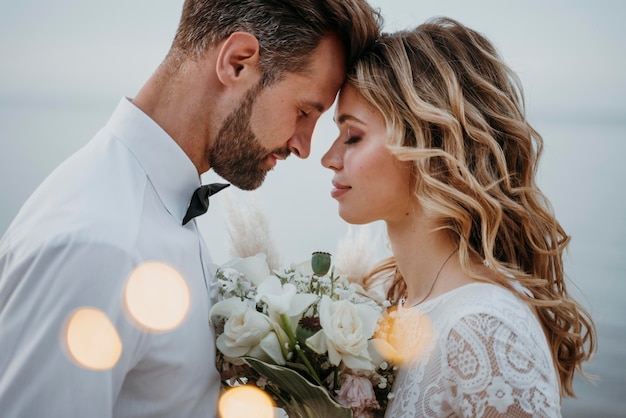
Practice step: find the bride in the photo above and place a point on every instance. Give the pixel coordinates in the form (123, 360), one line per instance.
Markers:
(434, 141)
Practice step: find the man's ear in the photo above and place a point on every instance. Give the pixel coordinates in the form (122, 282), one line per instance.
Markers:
(238, 58)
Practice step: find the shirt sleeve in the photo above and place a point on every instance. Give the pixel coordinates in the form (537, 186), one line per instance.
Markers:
(40, 290)
(494, 370)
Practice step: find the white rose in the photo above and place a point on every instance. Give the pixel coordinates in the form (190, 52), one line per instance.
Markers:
(346, 329)
(246, 332)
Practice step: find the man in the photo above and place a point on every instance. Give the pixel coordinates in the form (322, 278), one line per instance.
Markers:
(89, 267)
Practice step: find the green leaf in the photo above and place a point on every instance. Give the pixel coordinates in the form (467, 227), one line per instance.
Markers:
(308, 400)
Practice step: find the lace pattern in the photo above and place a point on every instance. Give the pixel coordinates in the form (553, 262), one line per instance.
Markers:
(481, 353)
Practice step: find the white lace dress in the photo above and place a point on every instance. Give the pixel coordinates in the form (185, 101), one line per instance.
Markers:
(478, 351)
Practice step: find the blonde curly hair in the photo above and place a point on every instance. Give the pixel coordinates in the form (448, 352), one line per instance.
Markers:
(456, 112)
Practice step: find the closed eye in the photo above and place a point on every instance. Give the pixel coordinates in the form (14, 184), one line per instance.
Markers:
(353, 140)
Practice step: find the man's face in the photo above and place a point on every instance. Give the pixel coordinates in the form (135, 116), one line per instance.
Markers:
(237, 154)
(272, 122)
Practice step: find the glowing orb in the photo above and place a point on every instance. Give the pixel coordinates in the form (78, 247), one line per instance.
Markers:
(244, 402)
(157, 297)
(92, 339)
(410, 332)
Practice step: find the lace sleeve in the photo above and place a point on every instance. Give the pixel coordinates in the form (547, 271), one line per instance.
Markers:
(495, 371)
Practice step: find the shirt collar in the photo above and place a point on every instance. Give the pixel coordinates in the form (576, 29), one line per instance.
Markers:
(168, 168)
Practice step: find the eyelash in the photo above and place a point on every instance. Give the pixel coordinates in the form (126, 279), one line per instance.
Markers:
(353, 139)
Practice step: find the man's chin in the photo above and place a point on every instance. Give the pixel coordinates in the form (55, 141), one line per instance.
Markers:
(249, 184)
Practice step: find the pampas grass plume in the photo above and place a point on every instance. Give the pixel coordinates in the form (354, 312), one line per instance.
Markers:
(356, 253)
(248, 228)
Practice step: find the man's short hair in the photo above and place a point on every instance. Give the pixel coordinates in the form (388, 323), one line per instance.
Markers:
(288, 31)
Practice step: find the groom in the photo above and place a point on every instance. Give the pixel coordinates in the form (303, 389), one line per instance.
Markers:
(241, 88)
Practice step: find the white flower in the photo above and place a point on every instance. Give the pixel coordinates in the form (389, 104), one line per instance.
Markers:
(283, 299)
(246, 332)
(268, 349)
(346, 329)
(254, 268)
(303, 268)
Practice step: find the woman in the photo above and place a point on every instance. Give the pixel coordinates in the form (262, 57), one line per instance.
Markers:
(434, 142)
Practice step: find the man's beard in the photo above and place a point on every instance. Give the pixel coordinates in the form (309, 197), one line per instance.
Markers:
(237, 155)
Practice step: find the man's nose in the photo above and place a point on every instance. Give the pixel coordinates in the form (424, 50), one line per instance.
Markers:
(300, 145)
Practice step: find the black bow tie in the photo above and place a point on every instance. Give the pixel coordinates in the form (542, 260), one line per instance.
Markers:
(200, 200)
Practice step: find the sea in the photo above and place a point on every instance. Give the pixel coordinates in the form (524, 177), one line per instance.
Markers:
(583, 172)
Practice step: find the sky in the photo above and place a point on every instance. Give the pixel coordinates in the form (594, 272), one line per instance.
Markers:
(66, 64)
(571, 53)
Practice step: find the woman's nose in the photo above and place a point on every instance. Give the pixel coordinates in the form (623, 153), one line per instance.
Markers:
(332, 159)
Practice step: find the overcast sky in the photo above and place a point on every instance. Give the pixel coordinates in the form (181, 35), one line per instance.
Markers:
(63, 55)
(570, 53)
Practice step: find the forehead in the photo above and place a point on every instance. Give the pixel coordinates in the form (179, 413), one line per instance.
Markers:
(326, 71)
(349, 96)
(352, 107)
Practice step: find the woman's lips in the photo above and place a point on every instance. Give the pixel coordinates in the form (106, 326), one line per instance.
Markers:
(339, 190)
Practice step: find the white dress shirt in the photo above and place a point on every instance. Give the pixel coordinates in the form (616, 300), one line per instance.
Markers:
(116, 203)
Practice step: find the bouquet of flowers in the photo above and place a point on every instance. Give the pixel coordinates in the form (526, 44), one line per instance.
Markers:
(305, 335)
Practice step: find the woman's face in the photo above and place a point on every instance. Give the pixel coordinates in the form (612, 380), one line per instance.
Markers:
(370, 184)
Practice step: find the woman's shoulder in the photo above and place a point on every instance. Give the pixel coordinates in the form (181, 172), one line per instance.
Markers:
(482, 301)
(489, 346)
(490, 316)
(478, 297)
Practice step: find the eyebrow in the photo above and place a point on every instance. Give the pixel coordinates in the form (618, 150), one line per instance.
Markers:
(346, 117)
(315, 105)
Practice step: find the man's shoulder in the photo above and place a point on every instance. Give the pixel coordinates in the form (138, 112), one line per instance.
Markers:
(91, 197)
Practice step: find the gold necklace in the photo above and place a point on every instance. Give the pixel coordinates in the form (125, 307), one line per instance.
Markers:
(432, 286)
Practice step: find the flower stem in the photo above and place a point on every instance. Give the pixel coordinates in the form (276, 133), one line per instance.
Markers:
(286, 323)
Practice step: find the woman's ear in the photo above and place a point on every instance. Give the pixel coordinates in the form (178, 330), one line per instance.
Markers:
(238, 59)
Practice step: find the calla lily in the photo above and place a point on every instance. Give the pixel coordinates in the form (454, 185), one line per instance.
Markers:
(254, 268)
(283, 299)
(227, 307)
(268, 350)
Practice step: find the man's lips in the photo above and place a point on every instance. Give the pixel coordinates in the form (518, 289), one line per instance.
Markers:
(339, 189)
(274, 157)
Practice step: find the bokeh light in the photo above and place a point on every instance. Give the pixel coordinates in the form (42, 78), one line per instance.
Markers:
(157, 297)
(410, 332)
(244, 402)
(92, 340)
